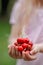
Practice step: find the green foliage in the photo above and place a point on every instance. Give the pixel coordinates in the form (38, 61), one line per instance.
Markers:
(5, 59)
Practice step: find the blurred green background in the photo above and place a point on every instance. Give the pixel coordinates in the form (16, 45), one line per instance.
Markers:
(4, 34)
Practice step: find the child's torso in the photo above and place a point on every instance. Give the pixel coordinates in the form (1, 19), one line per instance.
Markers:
(34, 30)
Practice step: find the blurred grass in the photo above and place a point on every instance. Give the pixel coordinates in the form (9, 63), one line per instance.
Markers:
(5, 59)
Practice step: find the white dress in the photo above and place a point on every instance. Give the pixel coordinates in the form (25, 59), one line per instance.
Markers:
(34, 30)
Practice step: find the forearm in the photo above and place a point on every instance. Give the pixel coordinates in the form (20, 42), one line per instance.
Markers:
(16, 31)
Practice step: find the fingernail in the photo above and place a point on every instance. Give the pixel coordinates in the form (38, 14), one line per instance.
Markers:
(30, 53)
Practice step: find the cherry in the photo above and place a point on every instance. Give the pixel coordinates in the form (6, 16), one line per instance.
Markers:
(20, 48)
(24, 45)
(25, 40)
(16, 43)
(20, 40)
(30, 43)
(29, 47)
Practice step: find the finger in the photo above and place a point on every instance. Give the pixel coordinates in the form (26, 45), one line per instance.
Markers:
(34, 51)
(17, 54)
(23, 55)
(13, 51)
(10, 51)
(16, 51)
(30, 57)
(20, 55)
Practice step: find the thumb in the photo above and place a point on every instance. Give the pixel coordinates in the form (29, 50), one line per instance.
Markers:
(34, 51)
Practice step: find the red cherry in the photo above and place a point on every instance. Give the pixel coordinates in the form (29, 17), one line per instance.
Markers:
(20, 40)
(24, 45)
(25, 40)
(16, 43)
(30, 43)
(29, 47)
(20, 48)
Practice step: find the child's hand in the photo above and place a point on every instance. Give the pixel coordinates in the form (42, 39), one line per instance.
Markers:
(35, 49)
(27, 57)
(32, 55)
(13, 52)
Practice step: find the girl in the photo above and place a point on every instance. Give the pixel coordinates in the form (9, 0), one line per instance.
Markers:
(27, 21)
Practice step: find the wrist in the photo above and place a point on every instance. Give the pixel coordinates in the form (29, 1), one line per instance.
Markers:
(12, 40)
(38, 47)
(41, 48)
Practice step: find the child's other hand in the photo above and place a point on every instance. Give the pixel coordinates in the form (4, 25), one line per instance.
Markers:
(32, 55)
(27, 57)
(35, 49)
(13, 52)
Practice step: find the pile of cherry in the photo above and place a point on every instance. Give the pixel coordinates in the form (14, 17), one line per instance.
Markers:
(24, 44)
